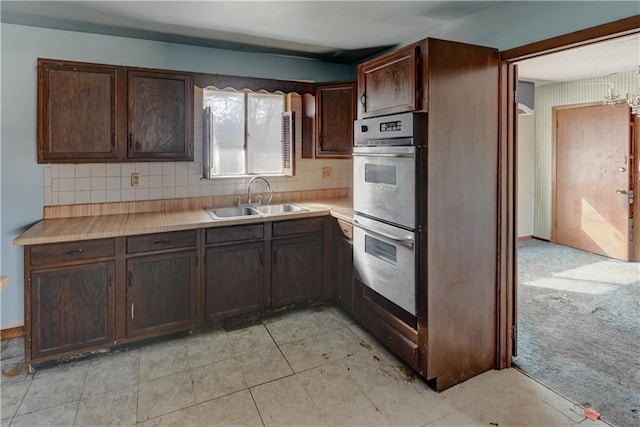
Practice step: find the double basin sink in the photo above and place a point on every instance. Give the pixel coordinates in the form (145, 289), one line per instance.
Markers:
(247, 211)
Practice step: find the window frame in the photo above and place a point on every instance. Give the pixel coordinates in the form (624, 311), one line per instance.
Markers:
(207, 140)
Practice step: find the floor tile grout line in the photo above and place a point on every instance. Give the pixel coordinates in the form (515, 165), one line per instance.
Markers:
(138, 388)
(280, 350)
(15, 414)
(256, 405)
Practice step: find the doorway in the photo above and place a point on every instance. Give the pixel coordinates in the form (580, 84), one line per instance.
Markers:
(551, 291)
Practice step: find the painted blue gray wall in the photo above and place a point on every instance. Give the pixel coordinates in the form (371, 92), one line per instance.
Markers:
(22, 178)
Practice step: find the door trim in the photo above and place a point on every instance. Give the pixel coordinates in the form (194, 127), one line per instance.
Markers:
(608, 31)
(507, 268)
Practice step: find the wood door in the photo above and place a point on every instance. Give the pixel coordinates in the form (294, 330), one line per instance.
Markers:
(160, 116)
(234, 280)
(336, 110)
(76, 112)
(388, 84)
(296, 269)
(161, 293)
(71, 309)
(591, 206)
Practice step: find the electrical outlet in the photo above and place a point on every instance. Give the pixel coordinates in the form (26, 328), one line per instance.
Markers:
(326, 172)
(135, 179)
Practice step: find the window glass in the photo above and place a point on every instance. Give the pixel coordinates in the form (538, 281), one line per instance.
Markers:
(227, 142)
(264, 132)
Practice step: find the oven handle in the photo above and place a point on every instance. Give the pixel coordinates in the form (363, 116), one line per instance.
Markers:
(404, 242)
(384, 155)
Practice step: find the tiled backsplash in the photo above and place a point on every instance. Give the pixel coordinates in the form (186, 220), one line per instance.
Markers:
(66, 184)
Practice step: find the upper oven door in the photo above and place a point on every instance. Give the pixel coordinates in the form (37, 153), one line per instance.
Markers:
(384, 183)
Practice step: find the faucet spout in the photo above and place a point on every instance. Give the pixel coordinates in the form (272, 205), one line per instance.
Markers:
(268, 189)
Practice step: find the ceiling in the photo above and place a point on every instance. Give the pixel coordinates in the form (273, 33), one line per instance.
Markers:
(334, 31)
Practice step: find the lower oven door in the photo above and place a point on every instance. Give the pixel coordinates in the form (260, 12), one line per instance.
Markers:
(384, 183)
(384, 260)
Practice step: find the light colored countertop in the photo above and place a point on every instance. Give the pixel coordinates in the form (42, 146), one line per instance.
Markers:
(104, 226)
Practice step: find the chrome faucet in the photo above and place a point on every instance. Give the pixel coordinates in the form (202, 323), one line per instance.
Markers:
(259, 198)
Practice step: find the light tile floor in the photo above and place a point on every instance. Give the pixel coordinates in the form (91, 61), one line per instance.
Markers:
(311, 368)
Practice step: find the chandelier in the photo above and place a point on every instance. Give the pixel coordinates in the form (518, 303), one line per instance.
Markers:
(610, 98)
(633, 99)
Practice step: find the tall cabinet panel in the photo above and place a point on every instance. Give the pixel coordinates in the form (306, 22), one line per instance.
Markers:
(76, 112)
(455, 87)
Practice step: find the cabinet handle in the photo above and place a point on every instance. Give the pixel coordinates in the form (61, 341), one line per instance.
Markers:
(162, 242)
(363, 99)
(132, 310)
(110, 283)
(74, 251)
(130, 279)
(130, 140)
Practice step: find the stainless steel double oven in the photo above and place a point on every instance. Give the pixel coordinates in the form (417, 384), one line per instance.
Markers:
(385, 162)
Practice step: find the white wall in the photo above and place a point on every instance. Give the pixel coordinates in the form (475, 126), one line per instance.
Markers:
(568, 93)
(23, 180)
(525, 195)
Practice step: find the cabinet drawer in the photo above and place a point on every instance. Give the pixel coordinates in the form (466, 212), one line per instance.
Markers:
(346, 229)
(58, 253)
(234, 233)
(386, 327)
(297, 226)
(160, 241)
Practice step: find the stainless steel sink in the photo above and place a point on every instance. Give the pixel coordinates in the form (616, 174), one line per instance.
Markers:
(280, 209)
(232, 212)
(245, 211)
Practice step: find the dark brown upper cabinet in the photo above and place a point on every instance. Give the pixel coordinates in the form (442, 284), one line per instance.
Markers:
(160, 116)
(389, 84)
(335, 113)
(107, 113)
(76, 112)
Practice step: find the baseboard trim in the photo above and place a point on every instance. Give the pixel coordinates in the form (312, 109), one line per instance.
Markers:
(9, 333)
(542, 239)
(521, 238)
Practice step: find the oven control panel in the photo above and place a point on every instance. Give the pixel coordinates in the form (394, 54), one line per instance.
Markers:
(398, 129)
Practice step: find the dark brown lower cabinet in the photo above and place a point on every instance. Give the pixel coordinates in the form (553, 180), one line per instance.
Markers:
(71, 308)
(93, 294)
(345, 291)
(296, 269)
(234, 279)
(161, 293)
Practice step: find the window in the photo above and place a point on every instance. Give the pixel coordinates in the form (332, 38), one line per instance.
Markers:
(246, 133)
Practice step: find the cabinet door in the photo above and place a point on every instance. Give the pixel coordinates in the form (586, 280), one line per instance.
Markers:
(296, 269)
(388, 84)
(234, 280)
(71, 309)
(345, 275)
(336, 112)
(161, 293)
(160, 116)
(76, 112)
